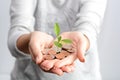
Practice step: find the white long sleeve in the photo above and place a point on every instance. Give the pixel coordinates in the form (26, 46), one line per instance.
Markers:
(90, 17)
(22, 21)
(72, 15)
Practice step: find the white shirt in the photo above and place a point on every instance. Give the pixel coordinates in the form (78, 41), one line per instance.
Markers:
(72, 15)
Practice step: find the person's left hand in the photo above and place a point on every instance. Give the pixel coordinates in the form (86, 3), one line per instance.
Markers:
(80, 43)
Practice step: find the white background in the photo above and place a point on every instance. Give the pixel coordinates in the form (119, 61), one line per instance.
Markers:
(109, 41)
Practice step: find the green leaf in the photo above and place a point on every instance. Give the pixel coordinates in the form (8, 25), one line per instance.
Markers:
(59, 38)
(56, 29)
(67, 41)
(57, 44)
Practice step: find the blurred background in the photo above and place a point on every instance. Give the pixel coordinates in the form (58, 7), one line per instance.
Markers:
(108, 42)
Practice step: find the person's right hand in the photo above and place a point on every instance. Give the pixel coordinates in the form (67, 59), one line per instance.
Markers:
(38, 41)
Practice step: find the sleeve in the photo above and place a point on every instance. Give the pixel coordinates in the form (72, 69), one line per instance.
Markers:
(22, 22)
(89, 18)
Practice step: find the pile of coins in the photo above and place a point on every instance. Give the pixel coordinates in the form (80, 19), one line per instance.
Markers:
(58, 53)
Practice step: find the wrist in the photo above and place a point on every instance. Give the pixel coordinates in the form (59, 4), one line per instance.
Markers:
(23, 42)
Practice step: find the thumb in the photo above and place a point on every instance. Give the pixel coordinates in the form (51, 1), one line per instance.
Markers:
(80, 53)
(50, 45)
(39, 56)
(36, 53)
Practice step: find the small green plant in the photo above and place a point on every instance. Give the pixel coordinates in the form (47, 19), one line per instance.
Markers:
(59, 41)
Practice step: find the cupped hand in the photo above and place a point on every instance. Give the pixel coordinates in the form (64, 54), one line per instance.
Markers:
(80, 42)
(33, 44)
(38, 41)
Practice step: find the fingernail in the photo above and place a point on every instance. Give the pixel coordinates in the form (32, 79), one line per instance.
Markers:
(68, 70)
(83, 60)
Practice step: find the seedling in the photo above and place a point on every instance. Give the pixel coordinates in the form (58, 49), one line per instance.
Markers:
(61, 48)
(59, 42)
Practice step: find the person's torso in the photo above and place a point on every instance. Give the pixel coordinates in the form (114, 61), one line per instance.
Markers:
(48, 12)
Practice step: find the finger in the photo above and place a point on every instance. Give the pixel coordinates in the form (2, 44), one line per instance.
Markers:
(49, 42)
(50, 45)
(48, 64)
(80, 53)
(72, 66)
(68, 68)
(35, 50)
(33, 58)
(57, 71)
(66, 61)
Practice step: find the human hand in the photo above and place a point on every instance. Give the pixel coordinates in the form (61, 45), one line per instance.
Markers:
(80, 43)
(33, 44)
(38, 41)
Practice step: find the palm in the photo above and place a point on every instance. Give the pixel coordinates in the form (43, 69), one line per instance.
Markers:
(80, 42)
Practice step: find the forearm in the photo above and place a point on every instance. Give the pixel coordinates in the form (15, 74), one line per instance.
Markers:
(23, 42)
(22, 22)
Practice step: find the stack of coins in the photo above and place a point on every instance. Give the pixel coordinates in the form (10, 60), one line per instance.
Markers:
(52, 53)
